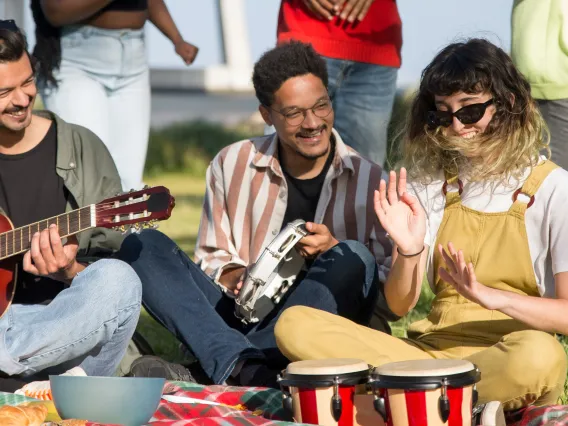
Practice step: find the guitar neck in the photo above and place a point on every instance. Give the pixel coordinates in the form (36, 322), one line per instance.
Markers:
(18, 240)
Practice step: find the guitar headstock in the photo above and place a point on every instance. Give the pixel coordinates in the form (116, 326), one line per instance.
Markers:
(135, 209)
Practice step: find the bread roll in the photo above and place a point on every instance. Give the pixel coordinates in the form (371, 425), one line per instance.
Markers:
(22, 416)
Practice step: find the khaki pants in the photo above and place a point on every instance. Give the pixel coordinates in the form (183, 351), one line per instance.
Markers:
(524, 367)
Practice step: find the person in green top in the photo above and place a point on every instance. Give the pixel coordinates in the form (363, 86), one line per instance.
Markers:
(540, 51)
(74, 305)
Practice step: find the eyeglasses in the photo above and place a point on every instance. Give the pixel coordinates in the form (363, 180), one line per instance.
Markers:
(9, 24)
(297, 116)
(469, 114)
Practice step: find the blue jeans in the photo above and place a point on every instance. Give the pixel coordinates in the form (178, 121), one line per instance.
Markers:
(104, 85)
(555, 113)
(88, 324)
(176, 292)
(363, 96)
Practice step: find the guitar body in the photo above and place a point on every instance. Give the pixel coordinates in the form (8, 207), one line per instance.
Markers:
(7, 272)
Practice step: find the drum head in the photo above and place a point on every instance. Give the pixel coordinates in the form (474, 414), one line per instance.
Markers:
(325, 372)
(425, 367)
(330, 366)
(425, 374)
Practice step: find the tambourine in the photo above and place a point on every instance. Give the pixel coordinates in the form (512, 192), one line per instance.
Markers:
(272, 275)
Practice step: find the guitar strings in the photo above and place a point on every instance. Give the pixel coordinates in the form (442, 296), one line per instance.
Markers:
(72, 222)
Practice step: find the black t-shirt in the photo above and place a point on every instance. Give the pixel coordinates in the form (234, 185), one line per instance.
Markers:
(30, 191)
(304, 194)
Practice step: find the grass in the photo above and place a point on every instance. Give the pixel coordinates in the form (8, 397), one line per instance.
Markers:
(182, 227)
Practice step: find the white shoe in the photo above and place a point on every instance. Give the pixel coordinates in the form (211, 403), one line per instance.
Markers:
(490, 414)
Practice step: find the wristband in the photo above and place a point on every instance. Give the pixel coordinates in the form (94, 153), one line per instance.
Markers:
(410, 255)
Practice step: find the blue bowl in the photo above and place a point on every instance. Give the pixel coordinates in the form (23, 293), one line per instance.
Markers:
(129, 401)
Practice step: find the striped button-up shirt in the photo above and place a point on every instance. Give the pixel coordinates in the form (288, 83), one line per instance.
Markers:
(246, 199)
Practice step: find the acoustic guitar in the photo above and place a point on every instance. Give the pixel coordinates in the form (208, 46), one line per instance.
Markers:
(132, 210)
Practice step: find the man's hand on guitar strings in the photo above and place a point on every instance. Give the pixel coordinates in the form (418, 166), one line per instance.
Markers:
(48, 257)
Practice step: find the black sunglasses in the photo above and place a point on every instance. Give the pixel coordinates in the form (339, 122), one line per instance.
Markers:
(467, 115)
(9, 24)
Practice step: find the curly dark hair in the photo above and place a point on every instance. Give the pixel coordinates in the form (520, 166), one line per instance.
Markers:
(283, 62)
(514, 137)
(13, 45)
(47, 50)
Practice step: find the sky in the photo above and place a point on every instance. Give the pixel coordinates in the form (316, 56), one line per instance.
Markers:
(428, 25)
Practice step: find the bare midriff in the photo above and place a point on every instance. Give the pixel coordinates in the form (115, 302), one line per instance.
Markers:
(118, 20)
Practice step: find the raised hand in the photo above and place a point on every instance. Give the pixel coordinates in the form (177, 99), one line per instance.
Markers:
(461, 276)
(400, 214)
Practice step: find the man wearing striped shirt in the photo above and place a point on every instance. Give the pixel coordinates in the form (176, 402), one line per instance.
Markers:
(254, 188)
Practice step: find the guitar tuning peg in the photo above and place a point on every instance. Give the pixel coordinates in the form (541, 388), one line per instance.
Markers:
(131, 190)
(146, 187)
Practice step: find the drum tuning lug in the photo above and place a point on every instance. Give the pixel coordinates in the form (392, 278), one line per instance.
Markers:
(336, 405)
(444, 402)
(379, 405)
(337, 408)
(474, 397)
(287, 403)
(444, 407)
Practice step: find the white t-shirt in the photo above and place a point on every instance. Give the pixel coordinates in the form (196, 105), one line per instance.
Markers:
(546, 220)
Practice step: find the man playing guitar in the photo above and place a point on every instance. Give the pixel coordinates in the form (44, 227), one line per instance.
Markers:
(255, 188)
(68, 310)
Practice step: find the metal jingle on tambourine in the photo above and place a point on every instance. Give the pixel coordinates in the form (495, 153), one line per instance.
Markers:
(286, 243)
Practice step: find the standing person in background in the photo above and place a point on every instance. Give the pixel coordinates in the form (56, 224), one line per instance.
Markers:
(540, 51)
(93, 70)
(361, 42)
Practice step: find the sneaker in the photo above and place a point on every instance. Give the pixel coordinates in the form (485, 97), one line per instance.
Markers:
(153, 366)
(490, 414)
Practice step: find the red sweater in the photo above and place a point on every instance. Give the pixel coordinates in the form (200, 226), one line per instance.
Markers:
(376, 40)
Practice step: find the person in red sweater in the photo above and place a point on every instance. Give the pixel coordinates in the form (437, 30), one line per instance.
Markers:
(361, 42)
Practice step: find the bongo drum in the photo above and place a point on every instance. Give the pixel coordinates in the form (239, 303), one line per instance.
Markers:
(329, 392)
(431, 392)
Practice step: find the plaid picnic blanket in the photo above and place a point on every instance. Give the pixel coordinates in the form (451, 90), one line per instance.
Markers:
(242, 406)
(551, 415)
(239, 406)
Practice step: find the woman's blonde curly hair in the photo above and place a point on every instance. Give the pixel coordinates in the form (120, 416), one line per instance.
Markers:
(515, 137)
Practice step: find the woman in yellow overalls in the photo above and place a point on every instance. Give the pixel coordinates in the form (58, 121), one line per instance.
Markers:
(486, 216)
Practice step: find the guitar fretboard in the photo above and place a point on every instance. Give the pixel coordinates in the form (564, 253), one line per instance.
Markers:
(18, 240)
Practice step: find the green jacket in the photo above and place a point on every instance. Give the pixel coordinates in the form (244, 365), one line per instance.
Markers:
(539, 45)
(90, 175)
